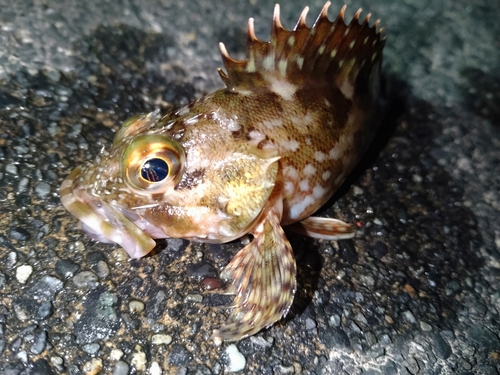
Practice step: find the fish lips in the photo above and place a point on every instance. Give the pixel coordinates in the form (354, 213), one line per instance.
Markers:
(104, 222)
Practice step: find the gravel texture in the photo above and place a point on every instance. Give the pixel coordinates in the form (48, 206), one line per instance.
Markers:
(418, 290)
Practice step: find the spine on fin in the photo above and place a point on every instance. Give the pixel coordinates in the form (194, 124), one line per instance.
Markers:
(325, 50)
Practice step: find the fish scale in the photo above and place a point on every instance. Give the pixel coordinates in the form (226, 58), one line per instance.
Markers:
(264, 152)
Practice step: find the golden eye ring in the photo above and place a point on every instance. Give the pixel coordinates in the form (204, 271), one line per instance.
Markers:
(152, 163)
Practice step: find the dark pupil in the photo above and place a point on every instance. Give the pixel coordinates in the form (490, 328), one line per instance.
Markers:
(154, 170)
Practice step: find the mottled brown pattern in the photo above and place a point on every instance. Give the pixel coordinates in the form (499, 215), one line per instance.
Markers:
(266, 151)
(191, 180)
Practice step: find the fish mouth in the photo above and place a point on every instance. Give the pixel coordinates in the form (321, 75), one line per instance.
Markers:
(102, 221)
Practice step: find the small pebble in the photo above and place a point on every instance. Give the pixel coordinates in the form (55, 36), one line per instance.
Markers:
(91, 348)
(236, 360)
(380, 249)
(102, 269)
(45, 310)
(360, 318)
(86, 280)
(425, 326)
(282, 370)
(409, 317)
(410, 290)
(93, 367)
(116, 354)
(357, 190)
(139, 359)
(161, 338)
(389, 319)
(179, 356)
(22, 187)
(23, 356)
(39, 343)
(21, 313)
(119, 255)
(66, 268)
(9, 260)
(310, 324)
(136, 307)
(42, 189)
(11, 168)
(54, 75)
(260, 341)
(121, 368)
(193, 298)
(155, 369)
(211, 283)
(23, 273)
(19, 234)
(57, 362)
(334, 320)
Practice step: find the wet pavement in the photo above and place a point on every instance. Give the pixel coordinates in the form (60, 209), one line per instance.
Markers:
(416, 292)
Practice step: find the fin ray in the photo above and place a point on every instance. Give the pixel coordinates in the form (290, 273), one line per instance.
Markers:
(324, 228)
(263, 281)
(322, 52)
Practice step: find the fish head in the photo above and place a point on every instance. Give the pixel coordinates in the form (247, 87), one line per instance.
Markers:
(164, 179)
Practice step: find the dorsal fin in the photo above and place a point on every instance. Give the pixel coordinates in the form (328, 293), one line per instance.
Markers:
(326, 51)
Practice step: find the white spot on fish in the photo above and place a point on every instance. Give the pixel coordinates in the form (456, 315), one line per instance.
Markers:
(272, 124)
(289, 188)
(309, 170)
(318, 192)
(268, 62)
(334, 152)
(291, 145)
(282, 66)
(308, 119)
(256, 137)
(300, 62)
(333, 53)
(291, 172)
(347, 88)
(233, 125)
(250, 65)
(326, 175)
(321, 49)
(297, 209)
(352, 44)
(304, 185)
(283, 88)
(291, 41)
(319, 156)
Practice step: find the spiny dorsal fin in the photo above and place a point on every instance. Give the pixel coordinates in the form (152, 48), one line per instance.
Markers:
(326, 51)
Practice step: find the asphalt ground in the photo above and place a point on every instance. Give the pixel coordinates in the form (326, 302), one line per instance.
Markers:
(416, 292)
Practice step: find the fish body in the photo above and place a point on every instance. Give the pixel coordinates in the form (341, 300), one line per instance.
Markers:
(264, 152)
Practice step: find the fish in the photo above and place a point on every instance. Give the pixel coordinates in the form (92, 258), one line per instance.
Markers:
(260, 155)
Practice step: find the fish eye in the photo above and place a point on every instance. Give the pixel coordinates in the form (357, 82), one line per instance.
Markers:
(155, 170)
(152, 164)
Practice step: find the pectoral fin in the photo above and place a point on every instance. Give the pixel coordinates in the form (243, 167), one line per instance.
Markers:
(324, 228)
(263, 280)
